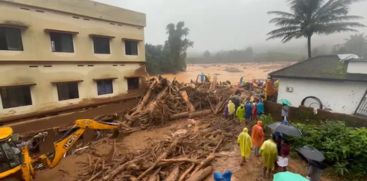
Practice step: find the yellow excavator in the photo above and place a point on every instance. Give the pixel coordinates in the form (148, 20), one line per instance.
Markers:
(16, 163)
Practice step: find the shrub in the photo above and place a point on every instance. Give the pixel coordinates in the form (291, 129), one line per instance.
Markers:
(345, 148)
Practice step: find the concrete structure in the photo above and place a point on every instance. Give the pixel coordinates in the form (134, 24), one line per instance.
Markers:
(57, 53)
(326, 82)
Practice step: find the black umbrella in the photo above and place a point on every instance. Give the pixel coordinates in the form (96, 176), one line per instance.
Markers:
(286, 129)
(311, 154)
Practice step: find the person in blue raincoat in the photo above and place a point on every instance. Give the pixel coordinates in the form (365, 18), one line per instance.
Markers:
(248, 110)
(260, 107)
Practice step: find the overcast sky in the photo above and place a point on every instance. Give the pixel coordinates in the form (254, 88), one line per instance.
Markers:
(223, 24)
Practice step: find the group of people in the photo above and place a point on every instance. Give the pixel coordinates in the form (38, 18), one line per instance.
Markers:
(243, 109)
(274, 151)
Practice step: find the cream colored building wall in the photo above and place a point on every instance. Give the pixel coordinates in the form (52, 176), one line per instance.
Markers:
(44, 93)
(37, 44)
(64, 66)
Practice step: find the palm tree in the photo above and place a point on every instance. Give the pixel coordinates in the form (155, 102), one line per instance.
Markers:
(309, 17)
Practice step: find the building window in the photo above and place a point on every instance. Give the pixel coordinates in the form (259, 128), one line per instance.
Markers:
(61, 42)
(67, 90)
(131, 47)
(10, 39)
(104, 86)
(101, 45)
(16, 96)
(132, 83)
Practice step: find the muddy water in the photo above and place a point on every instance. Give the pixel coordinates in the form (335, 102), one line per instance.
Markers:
(231, 72)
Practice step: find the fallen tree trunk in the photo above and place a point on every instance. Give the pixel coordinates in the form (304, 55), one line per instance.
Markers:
(183, 176)
(154, 176)
(201, 174)
(173, 176)
(185, 97)
(180, 160)
(162, 156)
(191, 115)
(145, 99)
(120, 168)
(205, 162)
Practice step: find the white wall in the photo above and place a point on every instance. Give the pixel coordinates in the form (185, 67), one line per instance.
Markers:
(357, 67)
(342, 97)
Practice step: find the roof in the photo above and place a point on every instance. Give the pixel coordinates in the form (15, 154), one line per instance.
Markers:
(326, 67)
(5, 132)
(87, 8)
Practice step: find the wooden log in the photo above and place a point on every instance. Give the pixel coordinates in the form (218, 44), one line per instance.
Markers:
(201, 174)
(173, 176)
(180, 160)
(185, 97)
(95, 176)
(150, 107)
(146, 97)
(190, 115)
(154, 176)
(205, 162)
(120, 168)
(162, 156)
(187, 171)
(221, 105)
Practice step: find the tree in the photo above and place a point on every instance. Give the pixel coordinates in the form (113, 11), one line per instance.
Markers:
(207, 54)
(171, 57)
(154, 58)
(309, 17)
(356, 44)
(176, 45)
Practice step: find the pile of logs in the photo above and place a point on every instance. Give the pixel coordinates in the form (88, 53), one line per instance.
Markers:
(186, 155)
(165, 100)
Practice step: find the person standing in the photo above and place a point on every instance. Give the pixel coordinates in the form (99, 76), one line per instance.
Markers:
(285, 111)
(257, 135)
(260, 107)
(248, 110)
(268, 152)
(236, 98)
(231, 109)
(254, 110)
(240, 113)
(245, 143)
(283, 158)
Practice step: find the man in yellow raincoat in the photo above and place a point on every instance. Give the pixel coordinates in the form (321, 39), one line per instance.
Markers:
(245, 143)
(269, 153)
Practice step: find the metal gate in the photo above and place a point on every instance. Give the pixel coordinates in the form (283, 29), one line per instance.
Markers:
(362, 107)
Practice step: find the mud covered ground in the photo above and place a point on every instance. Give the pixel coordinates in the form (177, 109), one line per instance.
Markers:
(73, 167)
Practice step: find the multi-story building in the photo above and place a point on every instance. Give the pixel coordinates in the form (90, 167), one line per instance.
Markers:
(57, 53)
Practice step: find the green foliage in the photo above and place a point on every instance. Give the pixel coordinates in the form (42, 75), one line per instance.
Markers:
(313, 17)
(345, 148)
(266, 119)
(171, 57)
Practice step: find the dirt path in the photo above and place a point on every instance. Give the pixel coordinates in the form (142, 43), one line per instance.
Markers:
(72, 167)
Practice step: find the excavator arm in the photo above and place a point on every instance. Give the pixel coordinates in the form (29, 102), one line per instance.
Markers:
(63, 145)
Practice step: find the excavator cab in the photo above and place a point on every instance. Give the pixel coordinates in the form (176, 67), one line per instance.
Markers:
(10, 155)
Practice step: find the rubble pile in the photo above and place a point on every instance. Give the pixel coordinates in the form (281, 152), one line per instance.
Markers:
(185, 155)
(165, 100)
